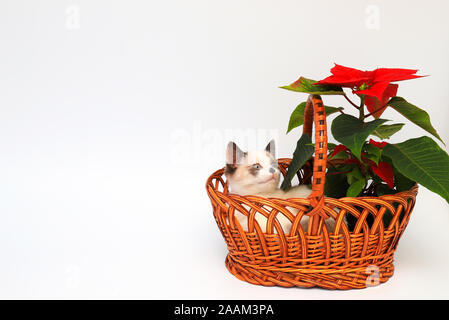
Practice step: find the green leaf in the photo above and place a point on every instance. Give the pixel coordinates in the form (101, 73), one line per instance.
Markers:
(354, 175)
(414, 114)
(373, 153)
(355, 188)
(303, 152)
(386, 131)
(423, 161)
(307, 86)
(402, 182)
(352, 132)
(335, 185)
(297, 116)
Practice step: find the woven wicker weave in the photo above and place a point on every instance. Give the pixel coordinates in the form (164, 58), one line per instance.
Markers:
(343, 258)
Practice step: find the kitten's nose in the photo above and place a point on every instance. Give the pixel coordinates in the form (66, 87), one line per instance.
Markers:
(272, 170)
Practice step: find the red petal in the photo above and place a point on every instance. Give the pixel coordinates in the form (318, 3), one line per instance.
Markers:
(390, 74)
(373, 104)
(385, 172)
(376, 90)
(339, 70)
(338, 149)
(391, 91)
(379, 145)
(347, 77)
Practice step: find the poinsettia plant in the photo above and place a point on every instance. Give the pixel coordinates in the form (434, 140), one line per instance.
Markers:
(361, 165)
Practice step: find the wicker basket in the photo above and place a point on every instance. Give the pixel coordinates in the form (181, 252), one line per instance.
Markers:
(343, 258)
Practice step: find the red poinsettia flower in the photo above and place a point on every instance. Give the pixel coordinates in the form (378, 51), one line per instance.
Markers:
(385, 172)
(375, 85)
(379, 145)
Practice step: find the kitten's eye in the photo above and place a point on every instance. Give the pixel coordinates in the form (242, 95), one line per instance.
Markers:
(257, 166)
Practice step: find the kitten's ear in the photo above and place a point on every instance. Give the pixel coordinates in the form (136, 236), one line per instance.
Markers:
(270, 148)
(233, 154)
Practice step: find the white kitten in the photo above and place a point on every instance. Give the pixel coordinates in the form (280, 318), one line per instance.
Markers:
(257, 173)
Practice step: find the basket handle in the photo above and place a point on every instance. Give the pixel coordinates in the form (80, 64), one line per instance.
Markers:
(314, 113)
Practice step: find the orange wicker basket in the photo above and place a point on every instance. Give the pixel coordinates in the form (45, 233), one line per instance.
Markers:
(341, 258)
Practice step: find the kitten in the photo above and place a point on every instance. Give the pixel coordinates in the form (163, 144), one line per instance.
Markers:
(257, 173)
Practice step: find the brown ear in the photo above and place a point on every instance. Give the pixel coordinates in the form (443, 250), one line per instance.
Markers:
(270, 148)
(234, 155)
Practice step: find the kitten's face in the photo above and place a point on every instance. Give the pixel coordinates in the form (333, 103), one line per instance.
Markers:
(251, 172)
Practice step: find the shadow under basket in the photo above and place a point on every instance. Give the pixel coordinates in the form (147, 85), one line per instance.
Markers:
(341, 257)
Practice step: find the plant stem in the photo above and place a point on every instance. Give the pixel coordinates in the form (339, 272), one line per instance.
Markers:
(362, 107)
(346, 97)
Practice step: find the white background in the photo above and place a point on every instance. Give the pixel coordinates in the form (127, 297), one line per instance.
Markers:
(114, 113)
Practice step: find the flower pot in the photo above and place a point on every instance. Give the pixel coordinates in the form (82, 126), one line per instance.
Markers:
(342, 258)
